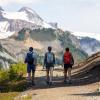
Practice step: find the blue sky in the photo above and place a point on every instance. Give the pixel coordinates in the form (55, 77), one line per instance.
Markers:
(72, 15)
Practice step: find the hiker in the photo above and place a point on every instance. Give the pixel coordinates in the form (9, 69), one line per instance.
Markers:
(49, 61)
(68, 63)
(31, 60)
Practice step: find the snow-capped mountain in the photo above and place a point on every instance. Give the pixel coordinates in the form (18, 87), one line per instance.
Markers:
(89, 42)
(90, 45)
(31, 16)
(11, 22)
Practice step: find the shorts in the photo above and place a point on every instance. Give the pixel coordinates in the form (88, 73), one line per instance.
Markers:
(30, 68)
(49, 65)
(66, 66)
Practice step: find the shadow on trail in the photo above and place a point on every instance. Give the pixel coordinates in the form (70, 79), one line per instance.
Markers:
(80, 79)
(88, 94)
(92, 76)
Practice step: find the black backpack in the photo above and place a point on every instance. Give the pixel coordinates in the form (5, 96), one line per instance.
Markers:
(30, 58)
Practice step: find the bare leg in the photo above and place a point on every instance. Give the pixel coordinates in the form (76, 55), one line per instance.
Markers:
(47, 74)
(29, 77)
(69, 73)
(65, 74)
(51, 73)
(33, 75)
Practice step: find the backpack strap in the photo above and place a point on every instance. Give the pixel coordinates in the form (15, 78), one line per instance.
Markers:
(53, 58)
(45, 59)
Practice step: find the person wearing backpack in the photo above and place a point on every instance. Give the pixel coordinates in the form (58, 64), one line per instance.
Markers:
(49, 61)
(31, 60)
(68, 63)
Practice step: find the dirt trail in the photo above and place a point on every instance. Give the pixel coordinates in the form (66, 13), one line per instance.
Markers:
(84, 83)
(80, 89)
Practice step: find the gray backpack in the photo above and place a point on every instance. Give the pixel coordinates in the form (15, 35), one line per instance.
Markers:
(50, 57)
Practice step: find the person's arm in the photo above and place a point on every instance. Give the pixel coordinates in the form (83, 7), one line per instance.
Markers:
(25, 61)
(62, 60)
(53, 58)
(45, 60)
(35, 59)
(72, 60)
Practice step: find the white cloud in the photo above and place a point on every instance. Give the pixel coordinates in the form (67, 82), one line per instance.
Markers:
(7, 2)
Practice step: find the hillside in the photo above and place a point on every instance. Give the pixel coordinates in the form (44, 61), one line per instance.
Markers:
(40, 39)
(90, 45)
(89, 42)
(6, 58)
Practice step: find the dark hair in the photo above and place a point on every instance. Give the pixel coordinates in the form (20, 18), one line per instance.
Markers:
(30, 48)
(49, 48)
(67, 49)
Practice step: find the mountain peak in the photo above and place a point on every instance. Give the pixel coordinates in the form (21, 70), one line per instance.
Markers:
(32, 15)
(27, 9)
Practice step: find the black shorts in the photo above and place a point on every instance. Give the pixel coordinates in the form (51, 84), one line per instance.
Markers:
(30, 68)
(48, 65)
(66, 66)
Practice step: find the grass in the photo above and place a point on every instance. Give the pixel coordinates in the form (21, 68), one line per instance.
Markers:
(11, 89)
(13, 81)
(11, 95)
(8, 96)
(28, 97)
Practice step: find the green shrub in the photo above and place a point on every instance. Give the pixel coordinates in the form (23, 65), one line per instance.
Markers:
(4, 75)
(17, 70)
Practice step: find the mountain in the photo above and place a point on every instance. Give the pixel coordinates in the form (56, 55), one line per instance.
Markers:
(32, 16)
(68, 40)
(18, 33)
(13, 22)
(86, 34)
(5, 58)
(89, 42)
(90, 45)
(40, 39)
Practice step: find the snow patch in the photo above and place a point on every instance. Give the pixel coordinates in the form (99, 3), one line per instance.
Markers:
(4, 26)
(30, 10)
(85, 34)
(7, 34)
(45, 25)
(15, 15)
(24, 16)
(3, 30)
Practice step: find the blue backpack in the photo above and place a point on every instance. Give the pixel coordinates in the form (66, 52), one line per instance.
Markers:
(30, 58)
